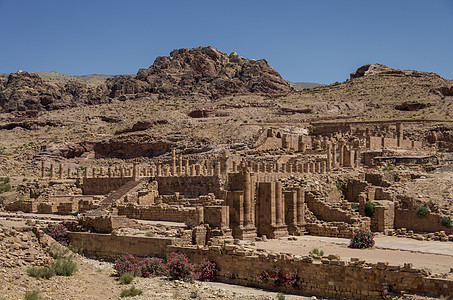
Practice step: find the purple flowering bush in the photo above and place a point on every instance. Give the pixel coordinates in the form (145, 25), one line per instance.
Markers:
(207, 270)
(361, 239)
(179, 267)
(153, 266)
(59, 232)
(277, 278)
(127, 264)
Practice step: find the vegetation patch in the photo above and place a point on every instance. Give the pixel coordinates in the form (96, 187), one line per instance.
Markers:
(131, 292)
(369, 208)
(362, 239)
(422, 211)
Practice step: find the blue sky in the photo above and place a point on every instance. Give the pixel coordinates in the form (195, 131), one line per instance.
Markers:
(306, 41)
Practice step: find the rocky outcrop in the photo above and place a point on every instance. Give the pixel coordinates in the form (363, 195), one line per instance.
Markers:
(132, 146)
(201, 71)
(412, 105)
(27, 91)
(380, 69)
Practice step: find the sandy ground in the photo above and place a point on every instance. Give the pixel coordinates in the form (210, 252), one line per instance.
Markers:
(434, 256)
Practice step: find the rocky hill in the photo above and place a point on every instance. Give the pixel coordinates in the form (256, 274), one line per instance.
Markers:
(203, 71)
(200, 72)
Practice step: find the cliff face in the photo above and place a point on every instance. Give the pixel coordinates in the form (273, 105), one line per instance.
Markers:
(201, 71)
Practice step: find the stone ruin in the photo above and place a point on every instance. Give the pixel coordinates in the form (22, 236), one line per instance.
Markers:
(287, 185)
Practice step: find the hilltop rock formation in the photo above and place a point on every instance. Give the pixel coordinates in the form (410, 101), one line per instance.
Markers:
(201, 71)
(380, 69)
(27, 91)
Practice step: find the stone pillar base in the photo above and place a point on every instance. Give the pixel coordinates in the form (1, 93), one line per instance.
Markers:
(244, 233)
(296, 230)
(277, 231)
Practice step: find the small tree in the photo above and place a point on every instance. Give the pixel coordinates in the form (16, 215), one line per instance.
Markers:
(369, 208)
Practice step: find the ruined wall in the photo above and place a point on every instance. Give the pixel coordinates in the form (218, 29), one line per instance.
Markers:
(405, 218)
(189, 186)
(103, 185)
(331, 212)
(170, 213)
(112, 246)
(329, 277)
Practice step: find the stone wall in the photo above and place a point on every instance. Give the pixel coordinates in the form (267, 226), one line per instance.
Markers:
(170, 213)
(189, 186)
(329, 277)
(112, 246)
(405, 218)
(103, 185)
(331, 212)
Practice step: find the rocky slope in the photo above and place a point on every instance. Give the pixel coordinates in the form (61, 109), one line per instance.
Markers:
(201, 71)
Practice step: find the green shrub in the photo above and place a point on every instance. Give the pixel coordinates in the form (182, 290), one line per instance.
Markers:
(58, 251)
(149, 233)
(34, 295)
(126, 278)
(41, 272)
(369, 208)
(64, 266)
(4, 185)
(281, 296)
(130, 292)
(355, 206)
(388, 168)
(317, 251)
(422, 211)
(445, 221)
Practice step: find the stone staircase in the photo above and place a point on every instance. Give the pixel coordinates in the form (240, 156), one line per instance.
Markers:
(117, 195)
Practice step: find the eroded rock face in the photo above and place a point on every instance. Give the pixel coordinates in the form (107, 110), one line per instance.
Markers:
(201, 71)
(412, 105)
(27, 91)
(132, 146)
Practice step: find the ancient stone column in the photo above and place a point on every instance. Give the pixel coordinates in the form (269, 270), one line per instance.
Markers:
(186, 163)
(192, 170)
(323, 166)
(93, 172)
(109, 172)
(278, 203)
(78, 172)
(69, 172)
(217, 169)
(180, 171)
(159, 169)
(51, 171)
(300, 207)
(341, 154)
(60, 171)
(43, 170)
(247, 198)
(197, 169)
(334, 157)
(235, 168)
(173, 162)
(329, 157)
